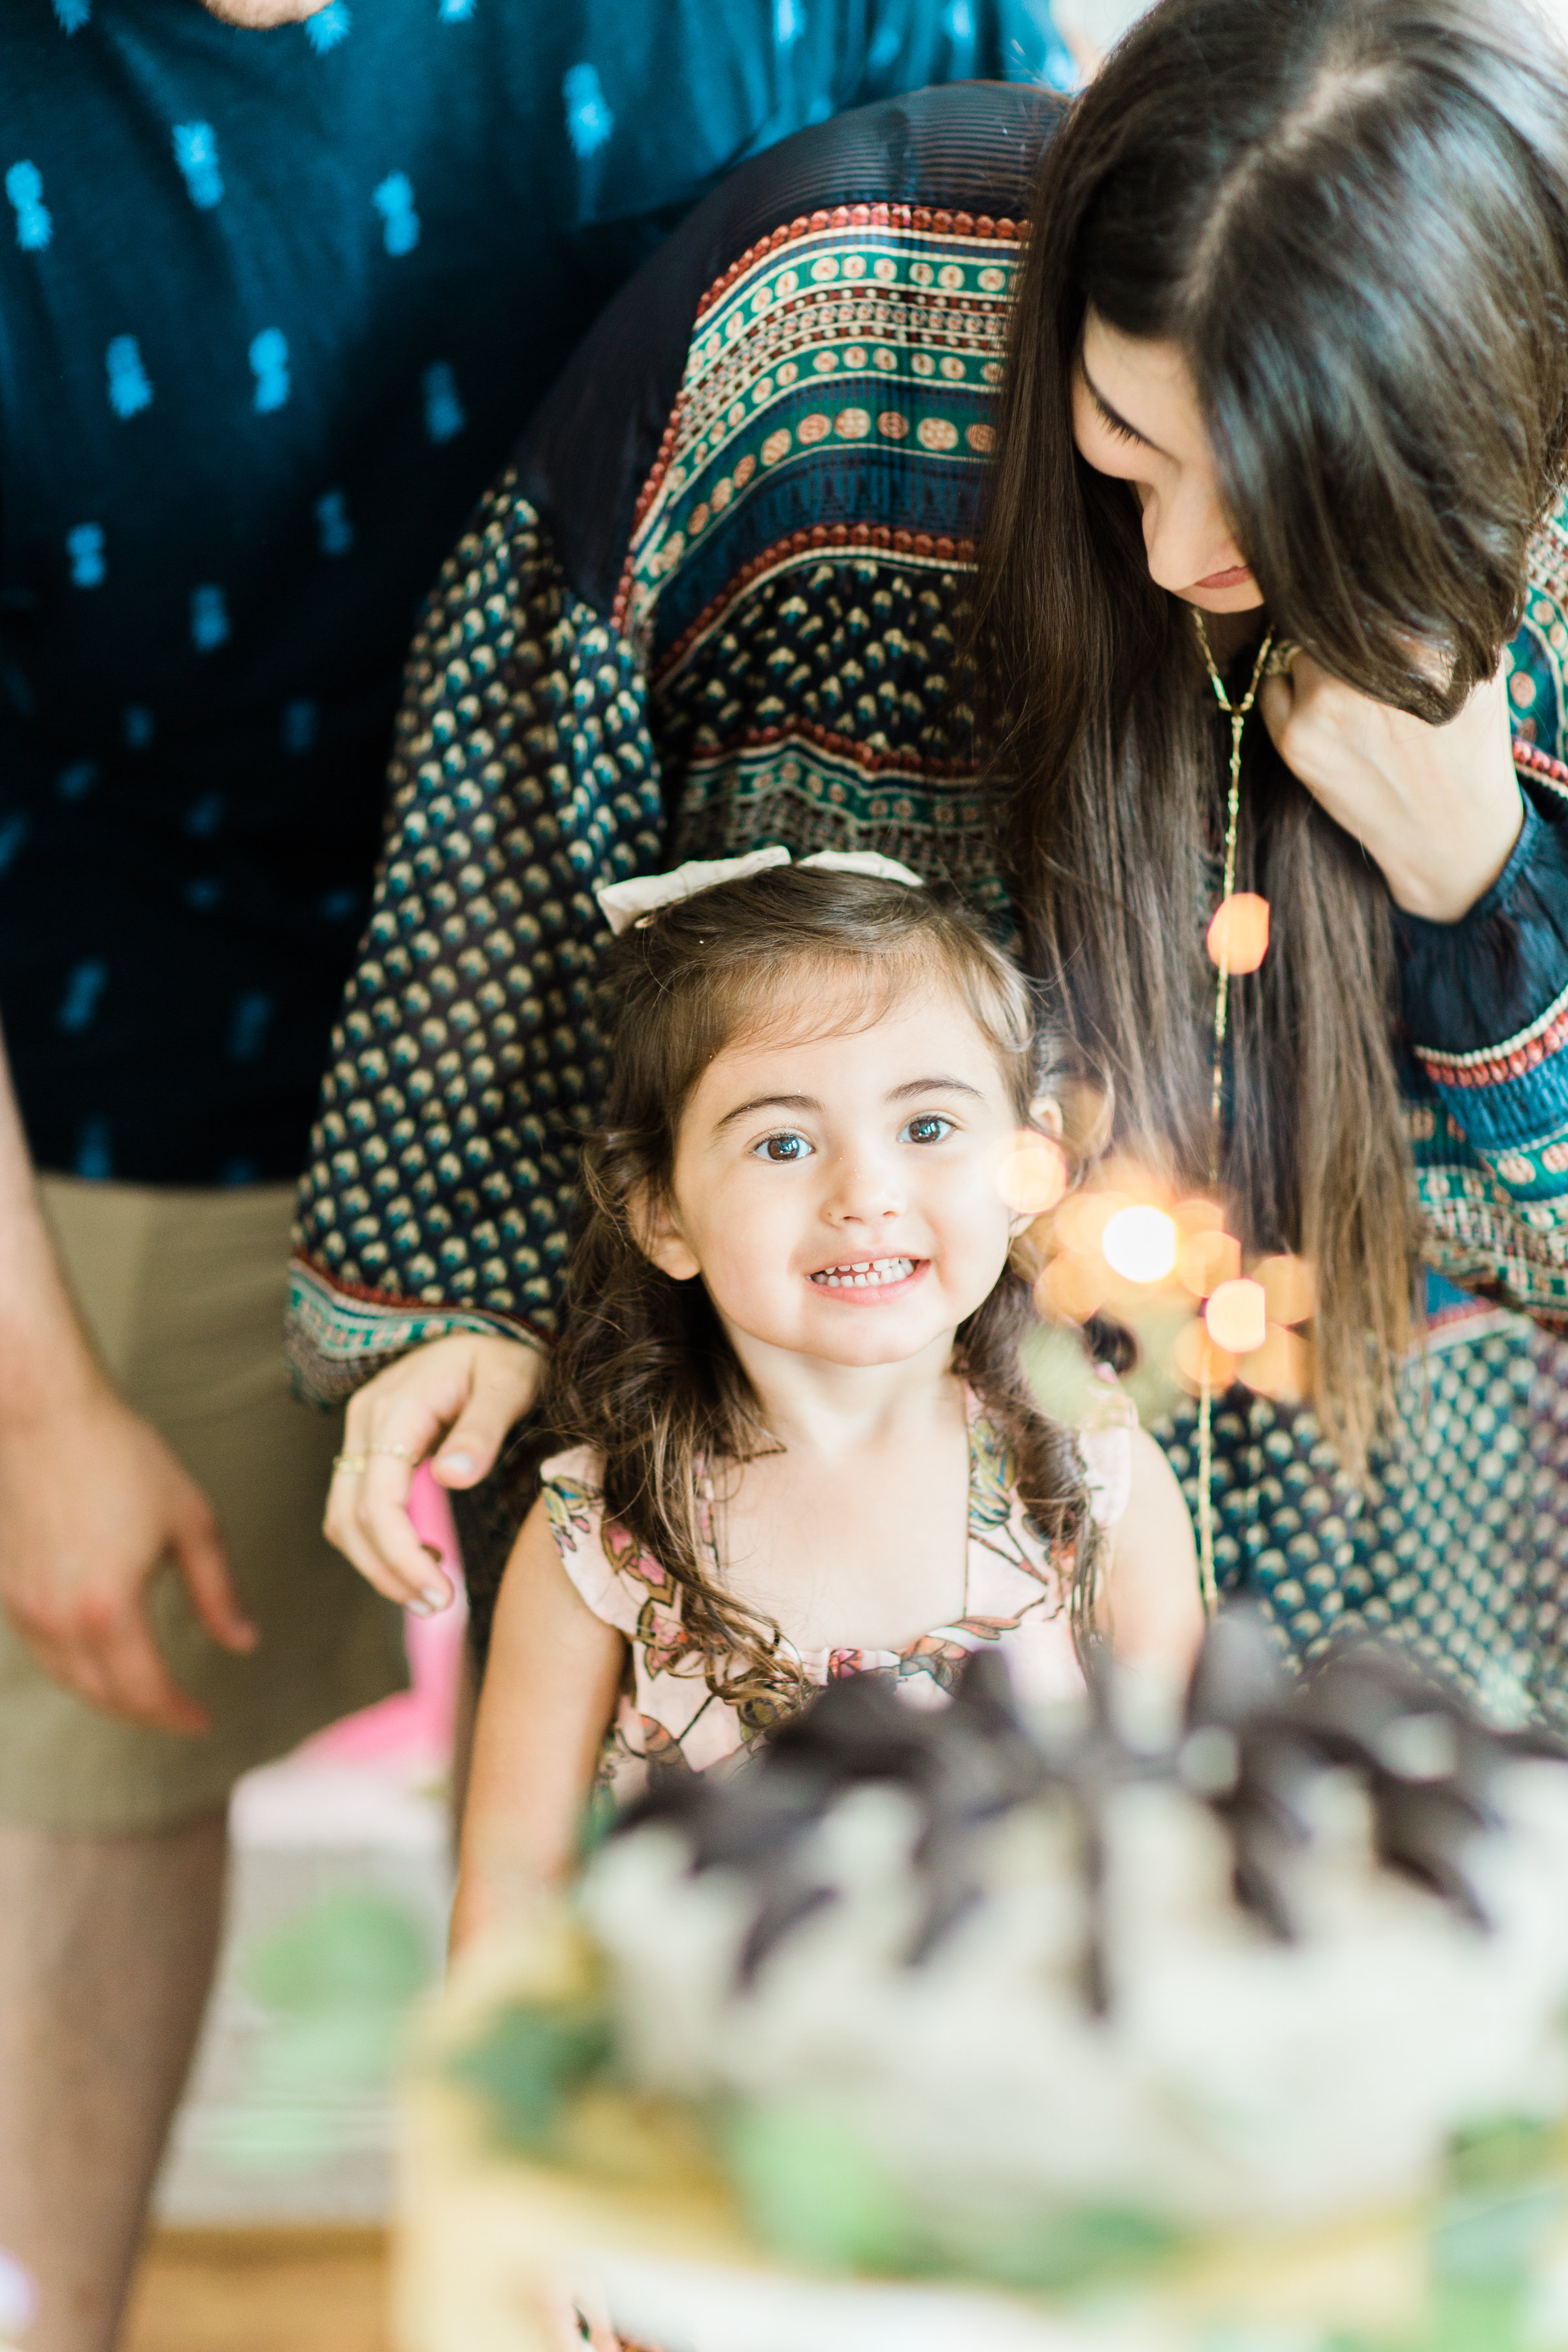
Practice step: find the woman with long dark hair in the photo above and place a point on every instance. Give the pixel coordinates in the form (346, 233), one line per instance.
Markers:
(1289, 356)
(1336, 288)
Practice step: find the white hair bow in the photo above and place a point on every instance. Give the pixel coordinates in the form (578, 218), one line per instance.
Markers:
(625, 903)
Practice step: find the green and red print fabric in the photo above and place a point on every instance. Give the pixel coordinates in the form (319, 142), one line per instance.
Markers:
(717, 603)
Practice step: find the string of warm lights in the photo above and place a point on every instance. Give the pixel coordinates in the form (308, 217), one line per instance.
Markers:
(1122, 1245)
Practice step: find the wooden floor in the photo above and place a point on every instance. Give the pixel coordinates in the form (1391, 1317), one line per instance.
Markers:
(260, 2291)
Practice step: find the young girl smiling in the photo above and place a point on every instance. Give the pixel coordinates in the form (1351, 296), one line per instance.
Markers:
(802, 1444)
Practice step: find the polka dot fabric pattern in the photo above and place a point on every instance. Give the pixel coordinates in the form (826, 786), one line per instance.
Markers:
(1460, 1555)
(814, 713)
(470, 1053)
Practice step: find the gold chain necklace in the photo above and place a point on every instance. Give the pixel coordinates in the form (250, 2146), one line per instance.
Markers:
(1237, 714)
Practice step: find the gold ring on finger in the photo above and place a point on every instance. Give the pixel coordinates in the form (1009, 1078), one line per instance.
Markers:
(1280, 660)
(352, 1463)
(396, 1453)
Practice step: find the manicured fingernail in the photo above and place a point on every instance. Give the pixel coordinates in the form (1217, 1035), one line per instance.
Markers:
(461, 1463)
(421, 1608)
(435, 1596)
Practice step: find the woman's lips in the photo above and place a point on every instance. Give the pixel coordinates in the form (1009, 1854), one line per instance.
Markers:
(868, 1282)
(1237, 577)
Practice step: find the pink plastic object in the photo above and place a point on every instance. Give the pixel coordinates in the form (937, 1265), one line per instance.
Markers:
(412, 1731)
(18, 2296)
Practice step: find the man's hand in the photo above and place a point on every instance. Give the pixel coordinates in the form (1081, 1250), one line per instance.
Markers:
(1439, 808)
(475, 1390)
(90, 1500)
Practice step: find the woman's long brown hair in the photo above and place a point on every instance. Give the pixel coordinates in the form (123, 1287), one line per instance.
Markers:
(644, 1374)
(1352, 215)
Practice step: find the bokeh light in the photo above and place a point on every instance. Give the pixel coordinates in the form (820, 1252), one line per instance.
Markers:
(1238, 935)
(1206, 1259)
(1195, 1355)
(1282, 1367)
(1237, 1317)
(1081, 1220)
(1033, 1176)
(1074, 1288)
(1290, 1286)
(1139, 1244)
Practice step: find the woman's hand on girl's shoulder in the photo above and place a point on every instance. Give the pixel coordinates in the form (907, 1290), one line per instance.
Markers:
(1150, 1605)
(461, 1395)
(1439, 808)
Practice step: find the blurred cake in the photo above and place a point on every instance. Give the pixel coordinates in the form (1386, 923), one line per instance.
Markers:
(960, 1972)
(1054, 2004)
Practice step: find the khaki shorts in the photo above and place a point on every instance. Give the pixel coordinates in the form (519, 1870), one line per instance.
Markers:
(183, 1292)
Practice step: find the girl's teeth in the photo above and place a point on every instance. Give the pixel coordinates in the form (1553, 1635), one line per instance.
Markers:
(866, 1274)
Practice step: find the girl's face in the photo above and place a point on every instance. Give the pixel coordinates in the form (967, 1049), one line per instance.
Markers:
(1136, 416)
(838, 1190)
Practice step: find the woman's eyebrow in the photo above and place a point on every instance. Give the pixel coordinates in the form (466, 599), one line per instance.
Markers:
(933, 1085)
(766, 1102)
(1112, 417)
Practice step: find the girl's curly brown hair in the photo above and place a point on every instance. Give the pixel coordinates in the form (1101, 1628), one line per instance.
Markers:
(645, 1375)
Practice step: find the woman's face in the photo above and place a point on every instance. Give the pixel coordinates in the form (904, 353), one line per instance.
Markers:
(1136, 416)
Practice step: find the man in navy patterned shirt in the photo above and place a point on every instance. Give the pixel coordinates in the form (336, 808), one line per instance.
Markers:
(279, 281)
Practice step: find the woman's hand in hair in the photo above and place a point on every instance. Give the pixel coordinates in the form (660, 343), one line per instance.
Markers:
(1439, 808)
(454, 1400)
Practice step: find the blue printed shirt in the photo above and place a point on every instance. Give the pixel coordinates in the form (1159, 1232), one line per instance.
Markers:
(272, 308)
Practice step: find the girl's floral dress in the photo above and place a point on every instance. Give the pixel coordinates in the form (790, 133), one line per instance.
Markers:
(1016, 1597)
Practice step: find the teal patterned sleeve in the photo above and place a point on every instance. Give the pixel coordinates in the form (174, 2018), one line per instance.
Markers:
(468, 1058)
(1486, 1007)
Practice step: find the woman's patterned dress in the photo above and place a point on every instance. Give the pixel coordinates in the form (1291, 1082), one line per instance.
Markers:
(713, 604)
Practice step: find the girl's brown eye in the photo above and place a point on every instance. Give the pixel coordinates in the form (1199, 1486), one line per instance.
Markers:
(930, 1127)
(782, 1147)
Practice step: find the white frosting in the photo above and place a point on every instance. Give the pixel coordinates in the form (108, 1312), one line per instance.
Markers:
(1235, 2078)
